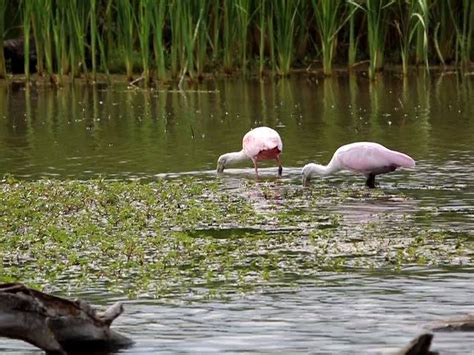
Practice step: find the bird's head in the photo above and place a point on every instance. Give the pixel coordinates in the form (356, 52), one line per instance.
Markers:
(308, 173)
(221, 163)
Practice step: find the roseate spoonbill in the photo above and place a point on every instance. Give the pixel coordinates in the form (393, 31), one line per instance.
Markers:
(367, 158)
(261, 143)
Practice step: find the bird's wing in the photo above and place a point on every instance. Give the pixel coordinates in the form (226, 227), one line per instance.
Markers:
(259, 139)
(372, 157)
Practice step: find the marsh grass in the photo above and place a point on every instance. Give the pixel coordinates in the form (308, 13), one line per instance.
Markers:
(3, 8)
(329, 20)
(170, 236)
(164, 39)
(285, 29)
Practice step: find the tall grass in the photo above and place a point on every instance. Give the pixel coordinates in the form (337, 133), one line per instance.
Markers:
(228, 34)
(464, 28)
(3, 8)
(126, 28)
(181, 39)
(262, 17)
(94, 36)
(376, 12)
(242, 12)
(412, 25)
(421, 16)
(353, 37)
(285, 29)
(145, 20)
(77, 13)
(158, 22)
(329, 20)
(43, 33)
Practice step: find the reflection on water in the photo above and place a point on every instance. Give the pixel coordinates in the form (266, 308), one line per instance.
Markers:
(117, 132)
(83, 131)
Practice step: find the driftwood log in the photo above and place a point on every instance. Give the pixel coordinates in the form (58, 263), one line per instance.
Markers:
(419, 346)
(57, 325)
(422, 343)
(463, 323)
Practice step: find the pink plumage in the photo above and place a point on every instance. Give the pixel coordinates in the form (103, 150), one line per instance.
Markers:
(366, 158)
(369, 157)
(261, 143)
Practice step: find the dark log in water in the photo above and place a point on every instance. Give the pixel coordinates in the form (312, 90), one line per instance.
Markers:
(55, 324)
(463, 323)
(14, 52)
(419, 346)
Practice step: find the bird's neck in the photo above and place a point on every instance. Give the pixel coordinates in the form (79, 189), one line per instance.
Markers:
(236, 157)
(323, 170)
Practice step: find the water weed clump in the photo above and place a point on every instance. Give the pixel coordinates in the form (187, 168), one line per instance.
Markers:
(171, 236)
(162, 40)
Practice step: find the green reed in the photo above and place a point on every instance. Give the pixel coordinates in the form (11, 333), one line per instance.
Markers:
(214, 29)
(421, 17)
(182, 58)
(187, 38)
(353, 39)
(464, 27)
(27, 15)
(125, 39)
(262, 16)
(158, 22)
(94, 36)
(285, 29)
(329, 21)
(242, 12)
(60, 34)
(228, 34)
(411, 25)
(3, 8)
(443, 36)
(271, 38)
(376, 12)
(145, 20)
(200, 36)
(77, 11)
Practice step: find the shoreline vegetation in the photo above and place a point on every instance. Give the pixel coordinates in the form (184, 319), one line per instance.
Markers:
(158, 41)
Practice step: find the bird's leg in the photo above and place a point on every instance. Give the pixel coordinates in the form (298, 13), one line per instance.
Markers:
(280, 168)
(256, 168)
(370, 183)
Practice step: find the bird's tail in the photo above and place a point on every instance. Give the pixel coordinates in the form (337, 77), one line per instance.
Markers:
(404, 160)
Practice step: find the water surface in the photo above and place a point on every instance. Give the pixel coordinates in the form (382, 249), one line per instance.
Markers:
(83, 132)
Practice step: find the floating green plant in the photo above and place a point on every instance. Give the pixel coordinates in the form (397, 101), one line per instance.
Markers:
(169, 236)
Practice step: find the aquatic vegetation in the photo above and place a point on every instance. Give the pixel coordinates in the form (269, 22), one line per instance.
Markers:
(3, 7)
(169, 236)
(176, 39)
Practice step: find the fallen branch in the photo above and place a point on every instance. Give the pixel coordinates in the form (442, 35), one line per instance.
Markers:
(463, 323)
(55, 324)
(419, 346)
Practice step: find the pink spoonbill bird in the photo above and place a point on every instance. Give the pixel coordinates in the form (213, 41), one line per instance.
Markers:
(261, 143)
(367, 158)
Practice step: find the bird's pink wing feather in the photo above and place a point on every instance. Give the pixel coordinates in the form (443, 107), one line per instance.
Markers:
(258, 139)
(368, 157)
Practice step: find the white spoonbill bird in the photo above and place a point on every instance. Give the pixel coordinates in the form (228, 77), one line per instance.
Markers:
(261, 143)
(366, 158)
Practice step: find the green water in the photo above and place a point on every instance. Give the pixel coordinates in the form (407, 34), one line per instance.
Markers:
(230, 263)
